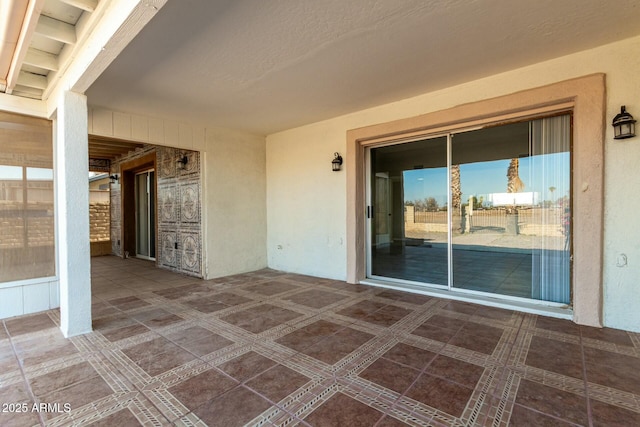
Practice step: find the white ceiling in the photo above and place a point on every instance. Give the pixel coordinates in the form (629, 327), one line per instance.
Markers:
(267, 65)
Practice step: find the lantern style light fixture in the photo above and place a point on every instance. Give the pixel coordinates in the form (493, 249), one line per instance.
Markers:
(181, 161)
(623, 125)
(336, 163)
(114, 178)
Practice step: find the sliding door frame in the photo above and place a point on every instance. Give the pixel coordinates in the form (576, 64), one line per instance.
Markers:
(584, 97)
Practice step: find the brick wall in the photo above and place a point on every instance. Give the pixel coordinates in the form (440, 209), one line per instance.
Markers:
(99, 221)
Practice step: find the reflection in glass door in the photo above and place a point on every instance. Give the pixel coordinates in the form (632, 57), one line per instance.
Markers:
(145, 215)
(482, 211)
(408, 211)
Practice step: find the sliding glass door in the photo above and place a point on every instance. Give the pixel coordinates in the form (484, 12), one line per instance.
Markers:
(145, 215)
(480, 211)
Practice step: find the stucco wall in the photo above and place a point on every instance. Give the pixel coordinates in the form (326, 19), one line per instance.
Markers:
(300, 180)
(236, 219)
(233, 184)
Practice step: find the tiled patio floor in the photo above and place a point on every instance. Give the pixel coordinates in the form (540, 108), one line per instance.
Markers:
(268, 348)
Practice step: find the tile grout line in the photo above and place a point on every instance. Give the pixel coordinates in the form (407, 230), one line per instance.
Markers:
(586, 382)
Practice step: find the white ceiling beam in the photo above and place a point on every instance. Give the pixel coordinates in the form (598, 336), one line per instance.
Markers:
(28, 91)
(18, 105)
(35, 81)
(86, 5)
(41, 59)
(120, 22)
(56, 30)
(26, 33)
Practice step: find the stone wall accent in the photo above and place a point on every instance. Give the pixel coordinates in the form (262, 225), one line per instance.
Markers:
(99, 221)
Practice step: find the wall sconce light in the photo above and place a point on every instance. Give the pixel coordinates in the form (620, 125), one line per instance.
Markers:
(181, 161)
(114, 179)
(336, 163)
(623, 125)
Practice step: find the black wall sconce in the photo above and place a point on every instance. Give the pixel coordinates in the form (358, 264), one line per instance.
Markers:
(623, 125)
(336, 163)
(181, 161)
(114, 179)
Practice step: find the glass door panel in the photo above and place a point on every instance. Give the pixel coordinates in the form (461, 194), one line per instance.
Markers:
(488, 255)
(408, 229)
(487, 210)
(145, 214)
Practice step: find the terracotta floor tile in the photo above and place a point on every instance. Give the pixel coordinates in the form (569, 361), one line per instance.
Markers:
(271, 288)
(475, 342)
(62, 378)
(278, 382)
(444, 322)
(523, 417)
(128, 303)
(206, 345)
(404, 297)
(308, 335)
(557, 325)
(342, 410)
(29, 324)
(234, 408)
(206, 304)
(42, 354)
(494, 313)
(159, 363)
(230, 299)
(315, 357)
(78, 394)
(455, 370)
(557, 403)
(16, 392)
(435, 333)
(361, 309)
(349, 287)
(440, 394)
(202, 388)
(387, 315)
(408, 355)
(148, 348)
(113, 322)
(114, 335)
(20, 419)
(556, 356)
(613, 370)
(460, 307)
(123, 418)
(337, 346)
(316, 298)
(390, 375)
(389, 421)
(605, 415)
(261, 318)
(247, 366)
(612, 336)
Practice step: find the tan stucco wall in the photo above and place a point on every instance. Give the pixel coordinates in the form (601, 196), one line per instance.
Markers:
(233, 189)
(299, 177)
(236, 226)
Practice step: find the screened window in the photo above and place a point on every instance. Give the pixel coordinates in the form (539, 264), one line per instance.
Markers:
(27, 235)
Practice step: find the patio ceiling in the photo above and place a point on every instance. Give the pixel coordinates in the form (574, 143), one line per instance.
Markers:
(38, 40)
(106, 148)
(267, 66)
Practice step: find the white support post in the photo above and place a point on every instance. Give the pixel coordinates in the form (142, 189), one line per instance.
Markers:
(71, 156)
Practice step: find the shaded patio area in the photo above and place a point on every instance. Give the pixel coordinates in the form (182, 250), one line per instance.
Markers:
(272, 348)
